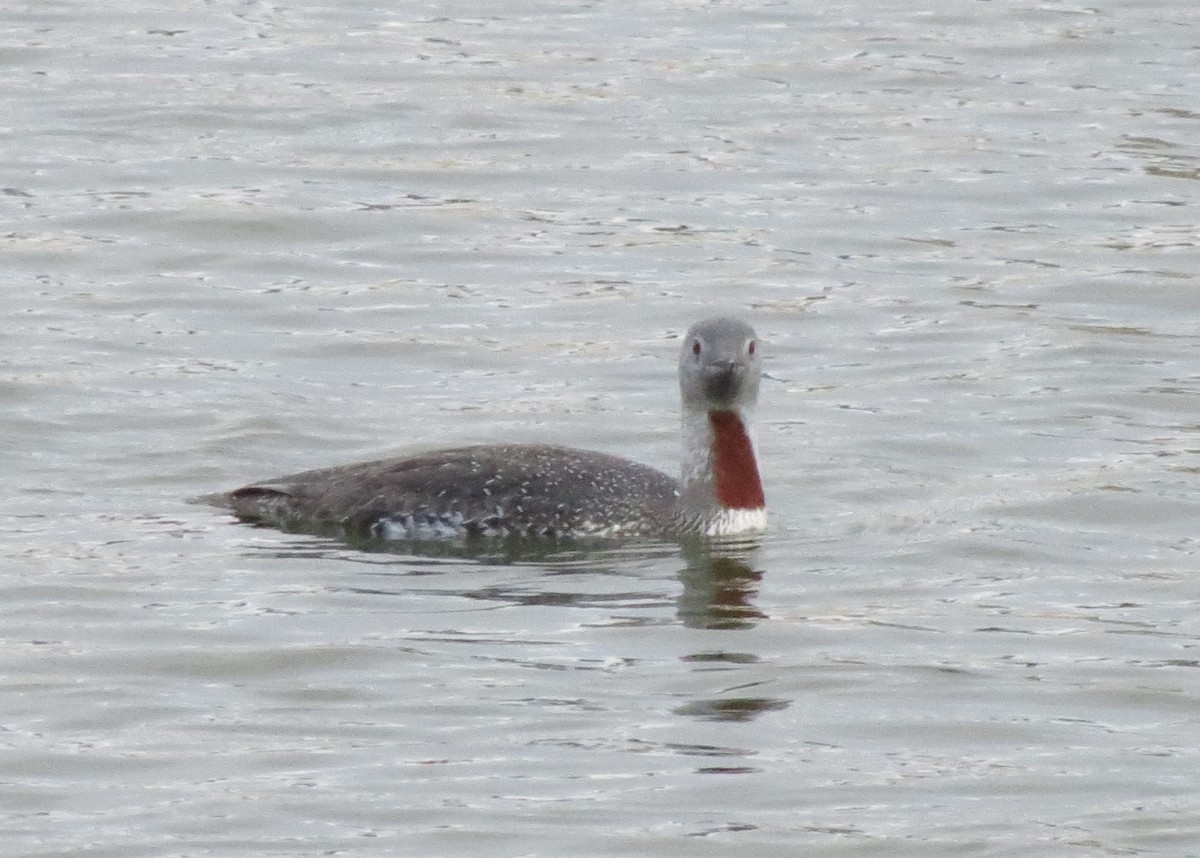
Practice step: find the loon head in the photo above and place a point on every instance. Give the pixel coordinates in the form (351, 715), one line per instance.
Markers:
(721, 492)
(719, 366)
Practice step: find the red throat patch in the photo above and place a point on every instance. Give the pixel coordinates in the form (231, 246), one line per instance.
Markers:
(735, 469)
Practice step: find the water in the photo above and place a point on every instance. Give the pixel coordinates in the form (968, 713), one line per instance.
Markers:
(245, 239)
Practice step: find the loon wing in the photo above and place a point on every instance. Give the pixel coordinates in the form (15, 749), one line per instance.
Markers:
(487, 490)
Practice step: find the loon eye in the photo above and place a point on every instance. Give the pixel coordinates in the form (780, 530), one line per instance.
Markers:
(695, 347)
(750, 347)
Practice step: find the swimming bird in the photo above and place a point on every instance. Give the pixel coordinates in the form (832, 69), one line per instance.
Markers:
(541, 491)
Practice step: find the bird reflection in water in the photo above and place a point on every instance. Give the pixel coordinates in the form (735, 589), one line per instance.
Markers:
(719, 586)
(718, 582)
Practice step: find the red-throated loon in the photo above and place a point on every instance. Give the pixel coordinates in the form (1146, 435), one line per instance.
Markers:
(535, 490)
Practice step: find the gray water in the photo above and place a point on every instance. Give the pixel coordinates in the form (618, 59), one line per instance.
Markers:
(242, 239)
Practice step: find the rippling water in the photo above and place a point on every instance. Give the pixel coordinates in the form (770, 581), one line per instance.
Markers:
(246, 239)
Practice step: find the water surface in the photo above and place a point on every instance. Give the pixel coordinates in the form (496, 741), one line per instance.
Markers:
(246, 239)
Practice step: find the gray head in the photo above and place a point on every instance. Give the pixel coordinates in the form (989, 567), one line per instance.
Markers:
(719, 366)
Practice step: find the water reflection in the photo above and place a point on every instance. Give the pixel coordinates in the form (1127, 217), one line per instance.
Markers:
(719, 585)
(492, 552)
(732, 708)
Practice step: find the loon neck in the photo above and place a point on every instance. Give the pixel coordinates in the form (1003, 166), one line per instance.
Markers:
(736, 482)
(720, 472)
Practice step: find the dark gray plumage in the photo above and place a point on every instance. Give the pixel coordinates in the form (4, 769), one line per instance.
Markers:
(533, 490)
(487, 490)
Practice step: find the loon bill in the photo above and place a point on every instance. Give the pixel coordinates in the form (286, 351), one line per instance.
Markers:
(534, 490)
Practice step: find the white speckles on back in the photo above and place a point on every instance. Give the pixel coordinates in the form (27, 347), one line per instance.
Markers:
(454, 525)
(404, 527)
